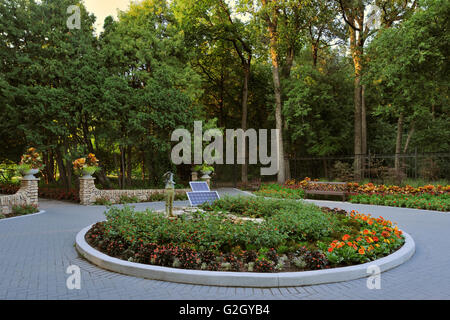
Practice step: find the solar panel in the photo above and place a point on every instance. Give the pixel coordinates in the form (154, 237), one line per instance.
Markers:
(199, 197)
(199, 186)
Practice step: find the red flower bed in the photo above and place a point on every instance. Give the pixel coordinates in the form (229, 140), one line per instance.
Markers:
(369, 188)
(59, 194)
(9, 188)
(45, 192)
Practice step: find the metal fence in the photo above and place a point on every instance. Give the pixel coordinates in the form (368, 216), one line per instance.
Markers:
(378, 168)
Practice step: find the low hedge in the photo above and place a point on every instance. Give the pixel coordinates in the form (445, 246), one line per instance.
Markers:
(440, 202)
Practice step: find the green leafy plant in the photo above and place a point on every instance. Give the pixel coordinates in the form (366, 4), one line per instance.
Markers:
(440, 202)
(128, 199)
(204, 168)
(24, 209)
(102, 202)
(30, 160)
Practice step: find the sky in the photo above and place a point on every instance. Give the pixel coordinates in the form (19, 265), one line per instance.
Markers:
(103, 8)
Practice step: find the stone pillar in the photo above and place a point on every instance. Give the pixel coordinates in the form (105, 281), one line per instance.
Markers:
(30, 186)
(194, 176)
(87, 190)
(207, 178)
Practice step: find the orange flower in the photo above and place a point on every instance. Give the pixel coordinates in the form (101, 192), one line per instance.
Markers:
(385, 234)
(366, 231)
(361, 251)
(330, 249)
(346, 237)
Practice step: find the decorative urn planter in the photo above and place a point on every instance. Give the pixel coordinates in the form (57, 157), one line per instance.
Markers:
(29, 174)
(88, 172)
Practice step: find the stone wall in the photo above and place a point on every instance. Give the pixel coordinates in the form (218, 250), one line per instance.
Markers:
(89, 193)
(27, 195)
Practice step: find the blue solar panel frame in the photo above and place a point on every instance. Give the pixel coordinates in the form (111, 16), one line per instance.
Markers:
(199, 197)
(199, 186)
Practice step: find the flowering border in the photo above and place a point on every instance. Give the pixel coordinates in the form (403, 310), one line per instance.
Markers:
(242, 279)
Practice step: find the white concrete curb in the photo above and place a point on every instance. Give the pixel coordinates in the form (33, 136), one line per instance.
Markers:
(241, 279)
(23, 216)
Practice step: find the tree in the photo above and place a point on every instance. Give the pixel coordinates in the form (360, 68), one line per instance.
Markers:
(216, 21)
(152, 85)
(409, 67)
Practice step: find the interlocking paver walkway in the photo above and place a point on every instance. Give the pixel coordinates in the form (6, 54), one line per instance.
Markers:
(35, 252)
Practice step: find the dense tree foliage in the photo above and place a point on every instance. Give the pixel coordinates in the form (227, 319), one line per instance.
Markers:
(323, 72)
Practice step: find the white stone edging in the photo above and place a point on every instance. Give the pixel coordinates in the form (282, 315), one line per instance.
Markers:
(23, 216)
(242, 279)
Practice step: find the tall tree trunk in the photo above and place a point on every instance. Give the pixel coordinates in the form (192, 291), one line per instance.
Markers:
(61, 168)
(363, 130)
(286, 73)
(244, 168)
(356, 50)
(272, 22)
(49, 162)
(129, 166)
(358, 131)
(278, 106)
(398, 145)
(315, 50)
(408, 139)
(101, 175)
(143, 167)
(122, 168)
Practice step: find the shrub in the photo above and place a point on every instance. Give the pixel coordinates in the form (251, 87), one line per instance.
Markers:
(102, 202)
(212, 231)
(440, 202)
(253, 207)
(128, 199)
(156, 197)
(313, 259)
(9, 188)
(278, 191)
(264, 265)
(24, 209)
(59, 194)
(342, 171)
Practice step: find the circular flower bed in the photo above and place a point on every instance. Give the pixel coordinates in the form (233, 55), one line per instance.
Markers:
(246, 234)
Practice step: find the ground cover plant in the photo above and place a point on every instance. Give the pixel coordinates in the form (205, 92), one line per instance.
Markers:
(24, 209)
(440, 202)
(246, 234)
(48, 192)
(431, 197)
(20, 210)
(275, 190)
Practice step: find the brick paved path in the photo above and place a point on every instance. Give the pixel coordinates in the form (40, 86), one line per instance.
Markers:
(35, 252)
